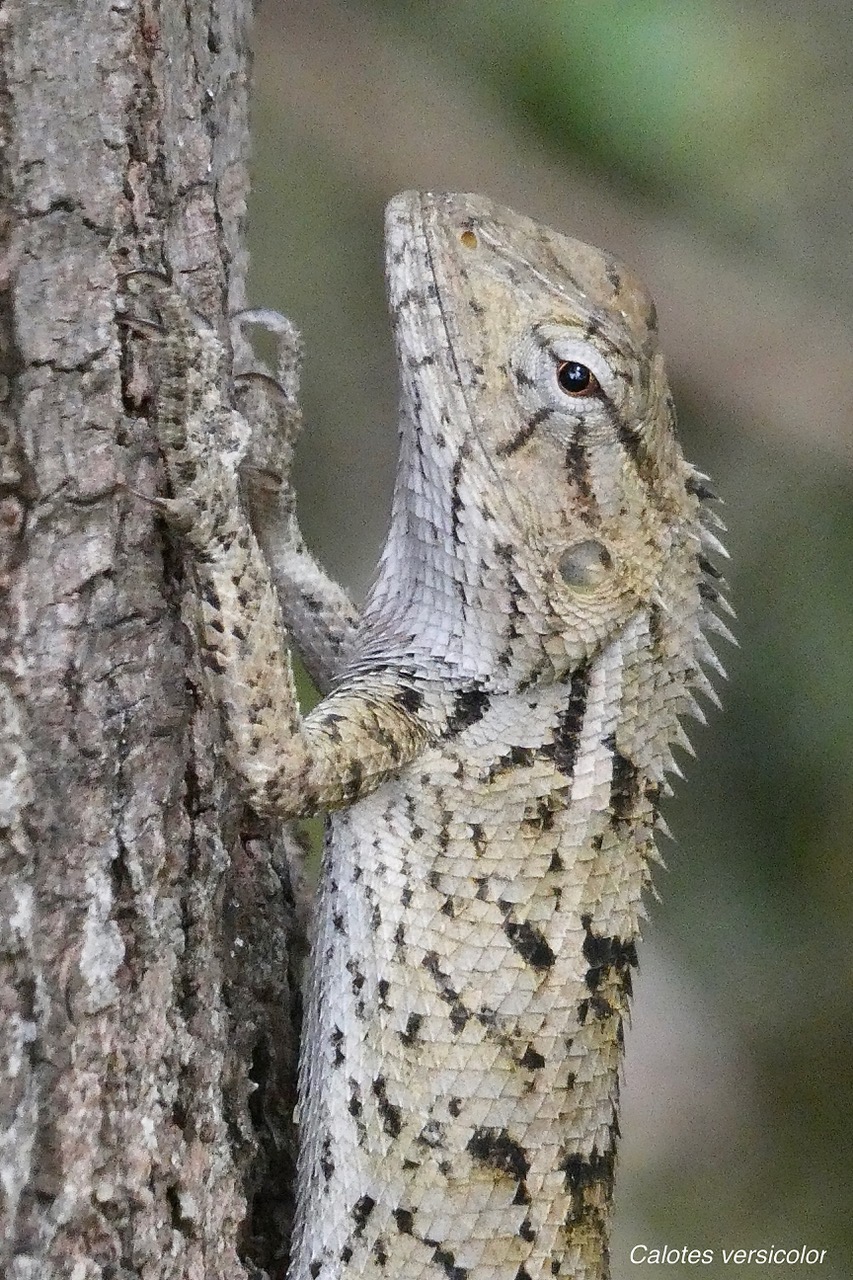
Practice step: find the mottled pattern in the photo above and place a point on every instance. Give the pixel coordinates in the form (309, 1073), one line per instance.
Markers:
(494, 747)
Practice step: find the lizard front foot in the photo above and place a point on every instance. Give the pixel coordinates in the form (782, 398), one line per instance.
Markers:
(203, 440)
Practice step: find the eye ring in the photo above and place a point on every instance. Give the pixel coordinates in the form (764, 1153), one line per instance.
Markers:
(577, 380)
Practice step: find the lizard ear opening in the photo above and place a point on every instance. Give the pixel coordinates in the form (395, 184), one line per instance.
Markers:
(586, 565)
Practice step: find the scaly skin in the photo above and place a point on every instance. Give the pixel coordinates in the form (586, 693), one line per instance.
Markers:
(494, 745)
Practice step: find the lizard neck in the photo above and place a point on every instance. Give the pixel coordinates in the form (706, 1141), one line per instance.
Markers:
(460, 582)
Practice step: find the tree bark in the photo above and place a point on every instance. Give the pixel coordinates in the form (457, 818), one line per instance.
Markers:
(146, 993)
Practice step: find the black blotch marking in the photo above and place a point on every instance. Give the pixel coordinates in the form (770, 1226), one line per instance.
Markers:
(530, 943)
(380, 1252)
(634, 445)
(522, 1273)
(448, 908)
(431, 1135)
(607, 954)
(337, 1038)
(447, 1261)
(459, 1015)
(352, 785)
(495, 1148)
(526, 1230)
(524, 433)
(532, 1060)
(478, 839)
(656, 625)
(695, 486)
(708, 591)
(582, 1173)
(383, 986)
(354, 1106)
(516, 757)
(568, 728)
(454, 1106)
(487, 1017)
(542, 819)
(707, 566)
(421, 362)
(405, 1220)
(314, 1268)
(469, 706)
(327, 1163)
(624, 788)
(409, 699)
(413, 1026)
(455, 497)
(346, 1253)
(389, 1113)
(597, 1006)
(360, 1212)
(358, 978)
(577, 468)
(556, 863)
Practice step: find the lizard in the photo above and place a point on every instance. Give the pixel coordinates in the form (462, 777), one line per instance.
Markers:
(492, 747)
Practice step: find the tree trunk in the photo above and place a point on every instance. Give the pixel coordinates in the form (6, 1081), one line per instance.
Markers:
(146, 1044)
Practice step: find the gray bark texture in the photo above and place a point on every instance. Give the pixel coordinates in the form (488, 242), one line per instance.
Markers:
(146, 991)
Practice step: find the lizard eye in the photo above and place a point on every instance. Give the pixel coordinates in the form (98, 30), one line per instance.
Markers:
(576, 379)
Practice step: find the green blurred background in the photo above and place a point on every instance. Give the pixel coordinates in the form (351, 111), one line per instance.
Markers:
(707, 144)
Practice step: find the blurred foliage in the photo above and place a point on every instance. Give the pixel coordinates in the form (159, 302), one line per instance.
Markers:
(726, 109)
(735, 120)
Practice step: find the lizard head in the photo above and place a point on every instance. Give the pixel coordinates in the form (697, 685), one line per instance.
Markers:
(540, 472)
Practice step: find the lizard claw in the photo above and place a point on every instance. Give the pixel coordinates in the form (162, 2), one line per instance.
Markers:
(179, 513)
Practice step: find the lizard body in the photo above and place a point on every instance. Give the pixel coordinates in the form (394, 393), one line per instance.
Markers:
(494, 748)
